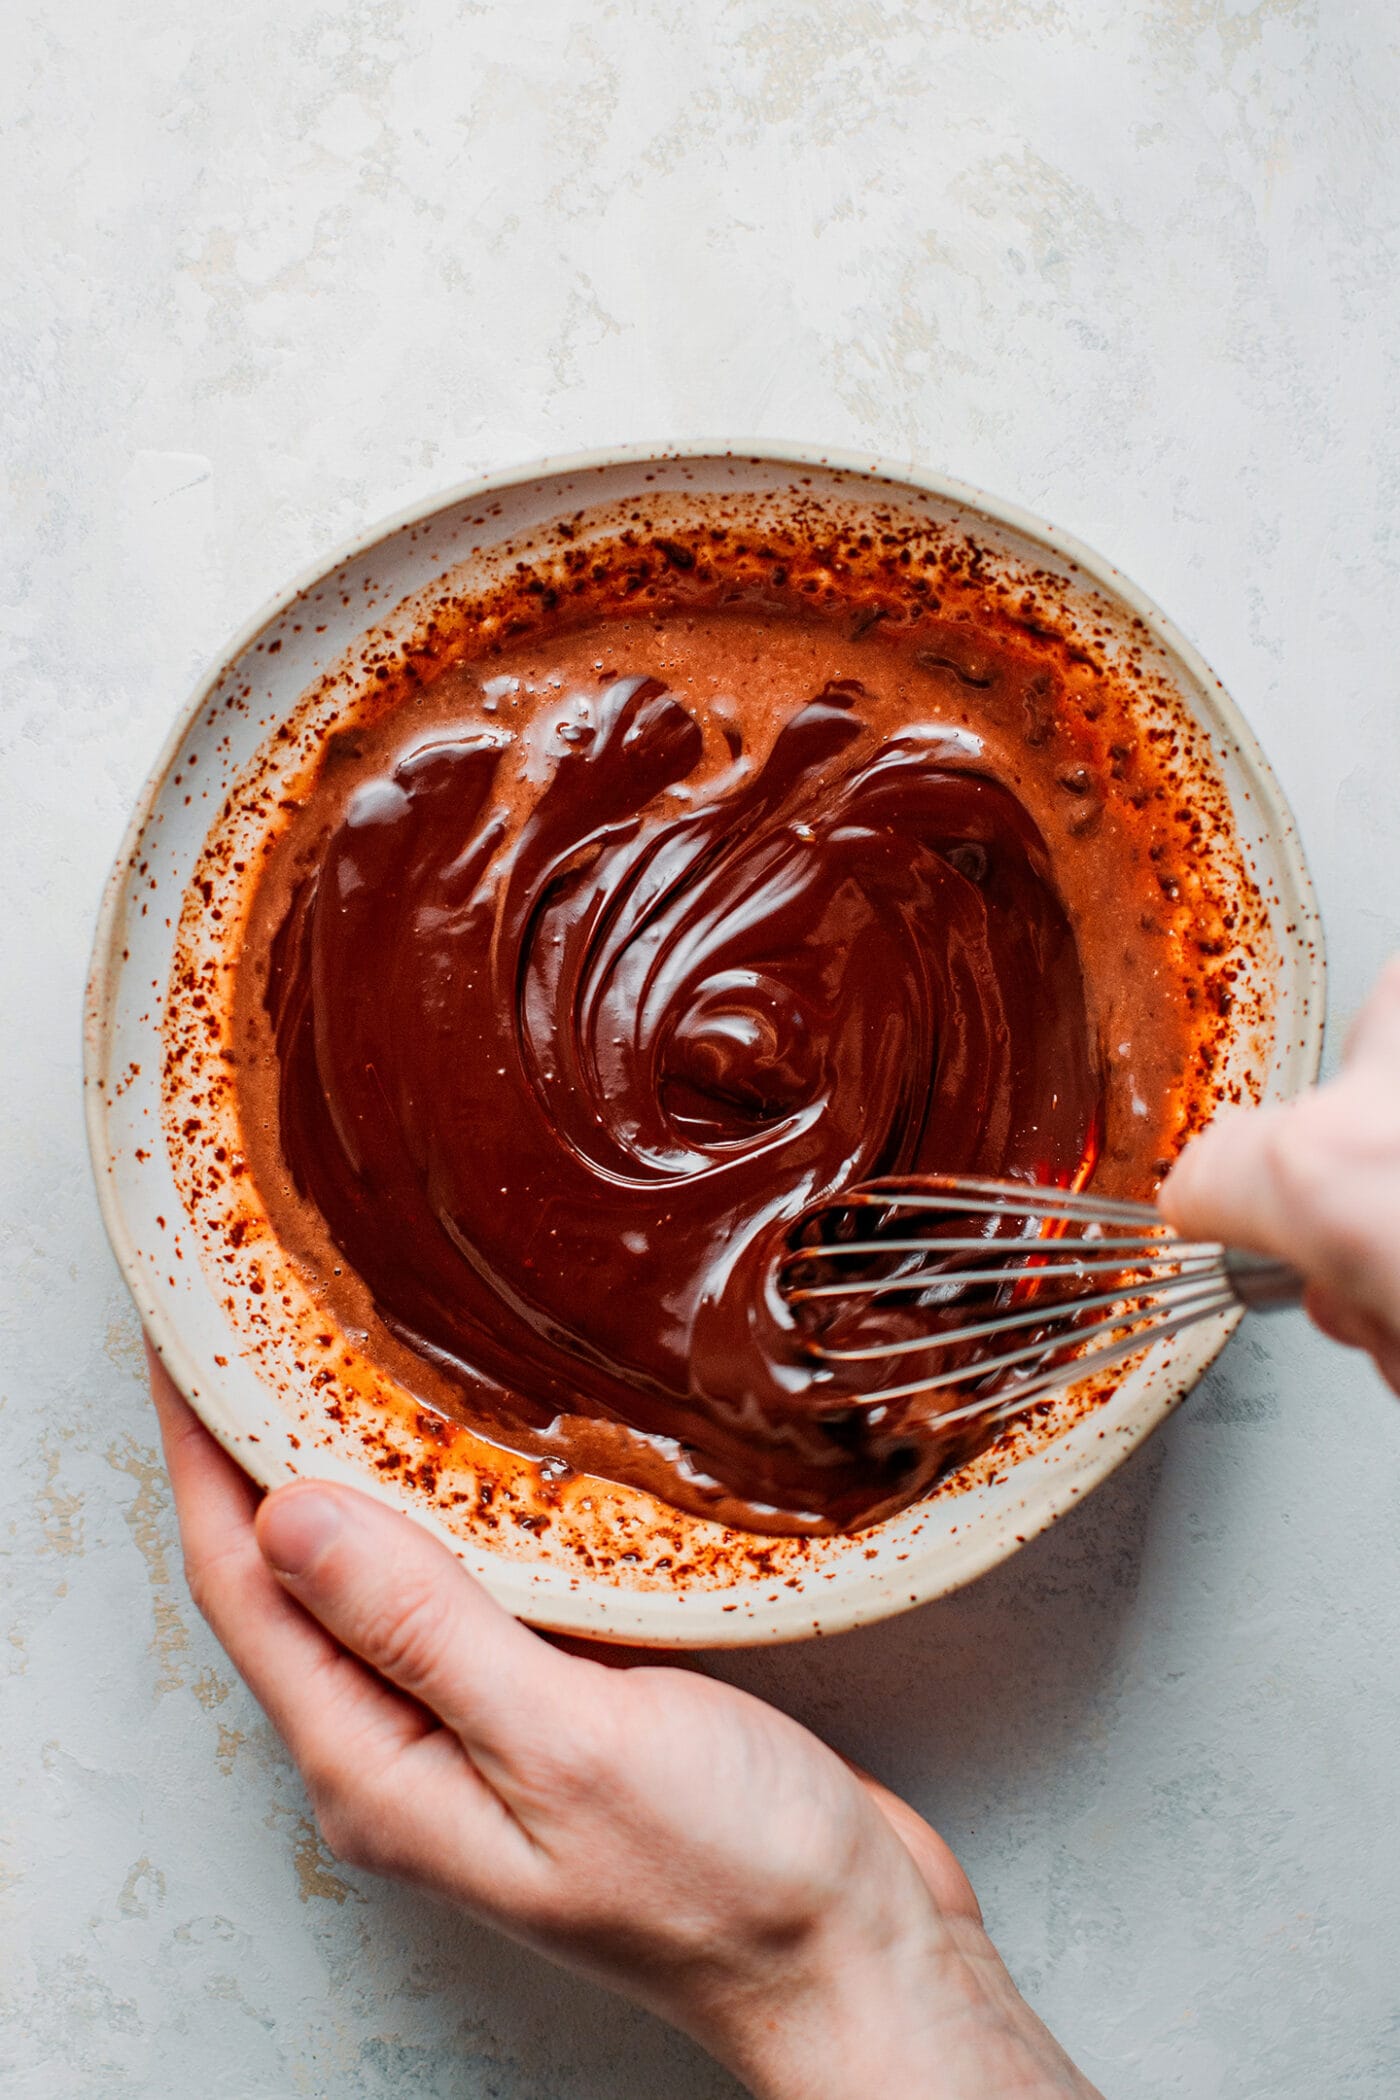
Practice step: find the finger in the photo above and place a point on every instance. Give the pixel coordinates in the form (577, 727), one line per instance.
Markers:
(1375, 1033)
(1315, 1182)
(388, 1783)
(1224, 1185)
(1356, 1328)
(317, 1697)
(401, 1601)
(213, 1496)
(1343, 1320)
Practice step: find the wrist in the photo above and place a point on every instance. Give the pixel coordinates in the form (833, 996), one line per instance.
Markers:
(928, 2014)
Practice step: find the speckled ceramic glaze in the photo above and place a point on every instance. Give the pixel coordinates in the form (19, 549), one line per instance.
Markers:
(620, 1566)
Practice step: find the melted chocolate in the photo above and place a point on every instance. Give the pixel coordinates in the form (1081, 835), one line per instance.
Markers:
(555, 1077)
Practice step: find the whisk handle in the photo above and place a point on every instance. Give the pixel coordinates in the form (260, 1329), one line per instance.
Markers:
(1260, 1283)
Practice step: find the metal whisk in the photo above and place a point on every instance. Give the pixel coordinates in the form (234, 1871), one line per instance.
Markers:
(996, 1288)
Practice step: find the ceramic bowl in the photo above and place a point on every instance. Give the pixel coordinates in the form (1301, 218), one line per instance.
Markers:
(621, 1567)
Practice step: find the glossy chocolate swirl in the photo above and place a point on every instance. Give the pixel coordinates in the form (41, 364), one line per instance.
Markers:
(554, 1078)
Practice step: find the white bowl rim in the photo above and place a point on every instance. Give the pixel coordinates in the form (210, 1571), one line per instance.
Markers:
(637, 1619)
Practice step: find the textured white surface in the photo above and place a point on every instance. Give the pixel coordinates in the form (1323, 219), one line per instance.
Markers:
(276, 270)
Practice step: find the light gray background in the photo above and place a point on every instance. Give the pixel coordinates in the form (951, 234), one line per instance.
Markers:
(279, 268)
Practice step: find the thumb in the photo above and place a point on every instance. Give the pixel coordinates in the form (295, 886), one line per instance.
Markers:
(1224, 1186)
(400, 1600)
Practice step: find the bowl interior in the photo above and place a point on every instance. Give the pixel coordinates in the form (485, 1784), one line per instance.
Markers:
(715, 1588)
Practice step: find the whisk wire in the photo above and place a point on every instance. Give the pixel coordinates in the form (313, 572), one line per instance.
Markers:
(1048, 1265)
(1006, 1323)
(1001, 1406)
(843, 1249)
(999, 1198)
(1157, 1286)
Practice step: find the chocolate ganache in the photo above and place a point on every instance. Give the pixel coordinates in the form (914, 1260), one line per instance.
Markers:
(554, 1067)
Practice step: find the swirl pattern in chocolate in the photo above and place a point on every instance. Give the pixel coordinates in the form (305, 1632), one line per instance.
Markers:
(554, 1068)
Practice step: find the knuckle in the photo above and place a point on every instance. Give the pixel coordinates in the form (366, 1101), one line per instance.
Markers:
(584, 1756)
(350, 1829)
(326, 1780)
(344, 1834)
(209, 1579)
(577, 1764)
(197, 1581)
(407, 1638)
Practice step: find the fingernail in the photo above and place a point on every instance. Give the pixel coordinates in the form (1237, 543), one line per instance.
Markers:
(296, 1528)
